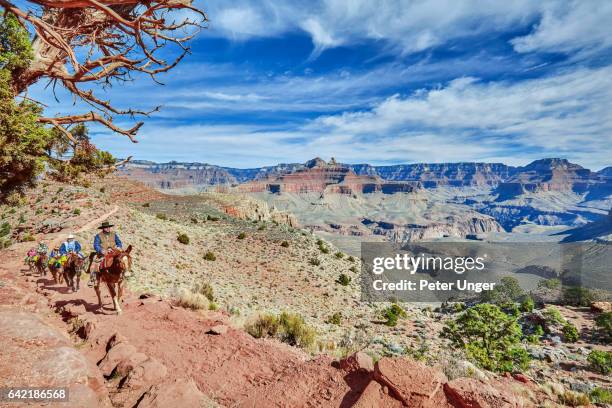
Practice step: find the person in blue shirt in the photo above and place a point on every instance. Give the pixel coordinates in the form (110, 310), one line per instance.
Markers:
(55, 258)
(71, 245)
(104, 241)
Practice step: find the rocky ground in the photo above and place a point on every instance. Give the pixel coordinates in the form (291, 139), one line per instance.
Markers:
(157, 351)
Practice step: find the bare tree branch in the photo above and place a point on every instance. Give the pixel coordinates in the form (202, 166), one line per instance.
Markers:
(100, 42)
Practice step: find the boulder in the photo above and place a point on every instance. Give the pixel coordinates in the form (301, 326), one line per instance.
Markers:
(472, 393)
(374, 396)
(178, 393)
(412, 382)
(358, 361)
(34, 352)
(601, 307)
(148, 372)
(123, 357)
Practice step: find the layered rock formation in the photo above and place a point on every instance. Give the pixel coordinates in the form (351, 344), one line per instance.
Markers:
(473, 227)
(176, 175)
(547, 175)
(321, 177)
(442, 174)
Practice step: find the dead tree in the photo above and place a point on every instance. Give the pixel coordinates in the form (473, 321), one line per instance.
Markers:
(82, 44)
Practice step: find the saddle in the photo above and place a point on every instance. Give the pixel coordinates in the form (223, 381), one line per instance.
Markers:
(108, 259)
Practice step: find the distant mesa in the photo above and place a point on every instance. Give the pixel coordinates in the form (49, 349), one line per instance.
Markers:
(551, 174)
(317, 176)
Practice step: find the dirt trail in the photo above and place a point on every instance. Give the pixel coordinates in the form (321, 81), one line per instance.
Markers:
(94, 223)
(171, 346)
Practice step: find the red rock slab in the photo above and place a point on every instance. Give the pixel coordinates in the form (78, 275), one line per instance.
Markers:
(411, 382)
(472, 393)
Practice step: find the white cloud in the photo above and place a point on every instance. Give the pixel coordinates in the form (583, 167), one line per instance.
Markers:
(411, 26)
(566, 115)
(570, 26)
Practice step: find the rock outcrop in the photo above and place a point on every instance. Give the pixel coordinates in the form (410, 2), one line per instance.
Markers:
(472, 227)
(174, 175)
(36, 354)
(317, 176)
(547, 175)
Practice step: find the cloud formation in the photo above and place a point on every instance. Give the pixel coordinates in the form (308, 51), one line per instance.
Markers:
(413, 26)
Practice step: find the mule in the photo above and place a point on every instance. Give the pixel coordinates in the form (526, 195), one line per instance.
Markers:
(116, 264)
(41, 264)
(56, 271)
(72, 271)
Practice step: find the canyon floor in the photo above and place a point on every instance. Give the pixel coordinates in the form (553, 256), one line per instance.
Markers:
(157, 353)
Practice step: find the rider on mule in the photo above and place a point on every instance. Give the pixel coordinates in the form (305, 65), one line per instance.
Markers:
(42, 248)
(105, 241)
(71, 245)
(55, 258)
(29, 259)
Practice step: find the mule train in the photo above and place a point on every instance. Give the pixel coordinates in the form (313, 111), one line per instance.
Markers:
(111, 270)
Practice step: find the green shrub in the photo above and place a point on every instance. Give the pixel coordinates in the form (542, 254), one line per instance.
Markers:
(285, 244)
(5, 229)
(577, 296)
(161, 217)
(490, 338)
(146, 205)
(242, 235)
(601, 396)
(209, 256)
(553, 316)
(601, 361)
(604, 325)
(266, 325)
(392, 314)
(336, 319)
(343, 279)
(339, 255)
(506, 291)
(570, 333)
(183, 239)
(28, 238)
(211, 218)
(314, 262)
(205, 289)
(213, 306)
(527, 304)
(102, 190)
(261, 228)
(324, 249)
(295, 331)
(553, 283)
(22, 219)
(353, 269)
(76, 211)
(351, 259)
(193, 220)
(288, 327)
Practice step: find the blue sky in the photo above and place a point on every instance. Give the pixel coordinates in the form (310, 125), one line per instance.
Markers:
(380, 82)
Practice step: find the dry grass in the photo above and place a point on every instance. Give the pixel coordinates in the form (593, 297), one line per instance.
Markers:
(191, 300)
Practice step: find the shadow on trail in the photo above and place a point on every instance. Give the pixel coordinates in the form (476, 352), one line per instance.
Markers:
(49, 284)
(89, 307)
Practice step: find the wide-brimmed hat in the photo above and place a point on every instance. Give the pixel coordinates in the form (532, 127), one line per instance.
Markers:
(105, 224)
(70, 236)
